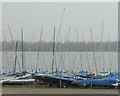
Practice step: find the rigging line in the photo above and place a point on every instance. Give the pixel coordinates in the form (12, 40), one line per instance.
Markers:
(65, 41)
(79, 52)
(60, 59)
(15, 56)
(63, 62)
(30, 47)
(44, 61)
(81, 61)
(103, 60)
(60, 55)
(64, 67)
(60, 25)
(7, 58)
(70, 59)
(4, 48)
(66, 50)
(97, 55)
(10, 33)
(86, 52)
(110, 61)
(102, 37)
(74, 60)
(60, 62)
(101, 46)
(39, 47)
(18, 64)
(68, 33)
(20, 69)
(18, 39)
(11, 37)
(22, 49)
(31, 41)
(8, 62)
(60, 28)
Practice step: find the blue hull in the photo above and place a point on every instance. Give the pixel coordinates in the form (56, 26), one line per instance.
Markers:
(98, 82)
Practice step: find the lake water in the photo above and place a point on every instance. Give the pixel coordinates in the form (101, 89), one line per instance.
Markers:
(66, 61)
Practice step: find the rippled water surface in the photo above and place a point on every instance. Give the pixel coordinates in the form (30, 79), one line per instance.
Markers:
(66, 61)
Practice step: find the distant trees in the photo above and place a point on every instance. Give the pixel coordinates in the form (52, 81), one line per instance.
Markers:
(61, 47)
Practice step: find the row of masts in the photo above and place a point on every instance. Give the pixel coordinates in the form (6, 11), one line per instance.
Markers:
(23, 67)
(54, 65)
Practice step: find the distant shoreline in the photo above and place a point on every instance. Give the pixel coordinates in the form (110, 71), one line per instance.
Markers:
(61, 47)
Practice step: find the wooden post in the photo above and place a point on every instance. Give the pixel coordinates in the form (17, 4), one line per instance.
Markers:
(60, 83)
(92, 81)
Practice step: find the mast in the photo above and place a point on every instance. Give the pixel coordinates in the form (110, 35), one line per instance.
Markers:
(60, 25)
(86, 53)
(67, 38)
(53, 52)
(10, 33)
(5, 53)
(22, 50)
(11, 39)
(39, 47)
(15, 56)
(93, 51)
(66, 53)
(110, 61)
(79, 52)
(59, 30)
(101, 45)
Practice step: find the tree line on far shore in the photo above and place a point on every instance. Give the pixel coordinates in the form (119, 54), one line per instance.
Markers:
(68, 46)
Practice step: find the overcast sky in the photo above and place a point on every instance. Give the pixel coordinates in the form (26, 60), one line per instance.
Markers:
(81, 16)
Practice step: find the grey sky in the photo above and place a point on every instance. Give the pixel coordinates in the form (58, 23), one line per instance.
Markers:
(80, 16)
